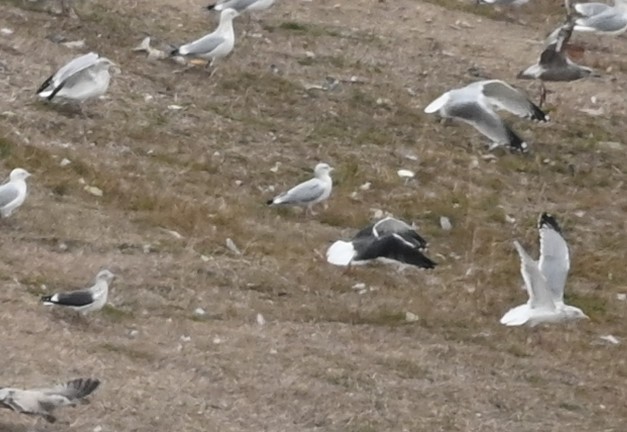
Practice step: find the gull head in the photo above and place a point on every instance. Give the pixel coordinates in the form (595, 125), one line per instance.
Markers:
(105, 275)
(105, 63)
(322, 169)
(228, 14)
(573, 313)
(19, 174)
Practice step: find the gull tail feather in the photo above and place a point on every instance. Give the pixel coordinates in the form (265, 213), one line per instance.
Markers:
(341, 253)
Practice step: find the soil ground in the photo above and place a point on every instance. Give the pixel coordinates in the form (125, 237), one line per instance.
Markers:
(176, 183)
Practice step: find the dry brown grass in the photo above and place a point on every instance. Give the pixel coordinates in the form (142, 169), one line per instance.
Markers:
(328, 358)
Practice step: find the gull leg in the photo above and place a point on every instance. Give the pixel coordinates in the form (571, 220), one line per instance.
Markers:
(542, 94)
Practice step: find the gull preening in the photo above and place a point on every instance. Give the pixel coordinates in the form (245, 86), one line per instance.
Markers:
(215, 45)
(602, 18)
(388, 239)
(476, 103)
(83, 78)
(43, 402)
(309, 193)
(544, 280)
(554, 64)
(87, 300)
(13, 193)
(242, 5)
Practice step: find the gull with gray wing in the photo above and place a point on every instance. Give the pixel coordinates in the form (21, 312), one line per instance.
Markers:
(87, 300)
(309, 193)
(215, 45)
(83, 78)
(544, 280)
(13, 193)
(242, 5)
(43, 402)
(611, 20)
(476, 104)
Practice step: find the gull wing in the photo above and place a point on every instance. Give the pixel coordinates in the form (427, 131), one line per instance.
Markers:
(609, 21)
(589, 9)
(75, 389)
(8, 193)
(303, 193)
(204, 45)
(554, 260)
(535, 282)
(486, 121)
(74, 66)
(394, 247)
(503, 96)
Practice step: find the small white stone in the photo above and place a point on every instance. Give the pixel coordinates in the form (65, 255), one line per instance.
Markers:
(445, 223)
(185, 338)
(175, 107)
(6, 31)
(133, 333)
(199, 312)
(65, 162)
(275, 168)
(148, 97)
(97, 429)
(411, 317)
(405, 173)
(260, 319)
(510, 219)
(611, 339)
(230, 245)
(204, 258)
(365, 186)
(217, 340)
(621, 296)
(94, 190)
(310, 54)
(359, 286)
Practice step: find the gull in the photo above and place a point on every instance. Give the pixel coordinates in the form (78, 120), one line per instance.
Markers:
(309, 193)
(503, 2)
(13, 193)
(43, 402)
(242, 5)
(611, 20)
(83, 78)
(476, 103)
(554, 64)
(544, 280)
(85, 300)
(215, 45)
(389, 239)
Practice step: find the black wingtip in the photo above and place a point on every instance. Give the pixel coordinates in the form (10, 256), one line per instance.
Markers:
(174, 52)
(270, 202)
(212, 6)
(538, 114)
(45, 299)
(547, 219)
(516, 142)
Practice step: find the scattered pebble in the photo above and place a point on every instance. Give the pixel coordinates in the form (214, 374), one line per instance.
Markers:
(186, 338)
(510, 219)
(74, 44)
(133, 333)
(365, 186)
(230, 245)
(204, 258)
(621, 296)
(260, 319)
(275, 168)
(94, 190)
(611, 339)
(411, 317)
(217, 340)
(6, 31)
(445, 223)
(199, 312)
(175, 107)
(404, 173)
(65, 162)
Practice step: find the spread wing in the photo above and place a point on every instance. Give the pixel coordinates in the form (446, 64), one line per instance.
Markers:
(502, 96)
(535, 282)
(554, 260)
(394, 247)
(73, 67)
(75, 389)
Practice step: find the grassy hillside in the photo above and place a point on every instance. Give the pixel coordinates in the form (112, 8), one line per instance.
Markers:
(185, 162)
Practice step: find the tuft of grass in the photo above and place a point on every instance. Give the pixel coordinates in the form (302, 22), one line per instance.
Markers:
(128, 351)
(115, 314)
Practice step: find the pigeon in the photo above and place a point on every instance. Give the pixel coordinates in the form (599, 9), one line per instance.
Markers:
(83, 78)
(84, 301)
(545, 280)
(388, 239)
(43, 402)
(13, 193)
(215, 45)
(476, 103)
(309, 193)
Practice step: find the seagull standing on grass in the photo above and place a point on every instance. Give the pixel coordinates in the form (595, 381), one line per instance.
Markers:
(387, 239)
(309, 193)
(83, 78)
(476, 103)
(215, 45)
(13, 193)
(84, 301)
(43, 402)
(545, 280)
